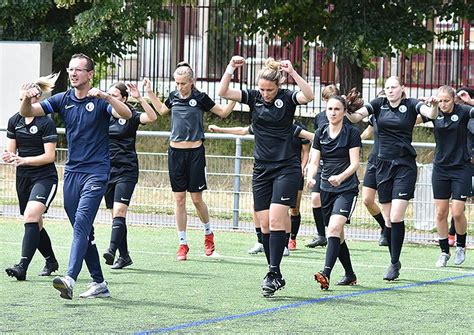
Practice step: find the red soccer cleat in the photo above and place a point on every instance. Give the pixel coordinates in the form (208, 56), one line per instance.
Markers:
(182, 252)
(292, 245)
(209, 246)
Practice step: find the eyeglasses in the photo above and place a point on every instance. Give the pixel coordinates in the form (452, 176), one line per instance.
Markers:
(76, 69)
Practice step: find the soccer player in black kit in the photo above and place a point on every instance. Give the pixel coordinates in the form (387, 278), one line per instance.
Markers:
(276, 173)
(451, 171)
(396, 173)
(338, 145)
(186, 154)
(31, 145)
(123, 169)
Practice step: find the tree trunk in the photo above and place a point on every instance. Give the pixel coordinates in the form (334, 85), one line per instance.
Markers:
(350, 75)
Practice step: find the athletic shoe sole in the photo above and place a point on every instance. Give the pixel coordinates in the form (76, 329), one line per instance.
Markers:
(322, 280)
(61, 286)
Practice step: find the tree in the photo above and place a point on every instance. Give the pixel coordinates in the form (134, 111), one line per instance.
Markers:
(355, 31)
(96, 28)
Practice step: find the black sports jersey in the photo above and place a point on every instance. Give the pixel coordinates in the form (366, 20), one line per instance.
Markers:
(30, 139)
(187, 115)
(335, 154)
(298, 142)
(375, 148)
(470, 144)
(272, 124)
(450, 131)
(395, 126)
(123, 156)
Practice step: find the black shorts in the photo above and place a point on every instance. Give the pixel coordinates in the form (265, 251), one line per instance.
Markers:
(275, 183)
(370, 176)
(41, 189)
(452, 182)
(396, 179)
(118, 191)
(338, 203)
(187, 169)
(317, 186)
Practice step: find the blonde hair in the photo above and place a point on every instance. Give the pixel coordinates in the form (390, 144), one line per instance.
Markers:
(184, 69)
(271, 71)
(329, 91)
(44, 84)
(447, 89)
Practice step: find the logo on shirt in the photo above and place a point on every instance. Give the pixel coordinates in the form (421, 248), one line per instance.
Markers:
(258, 104)
(440, 117)
(192, 102)
(402, 109)
(94, 188)
(278, 103)
(122, 121)
(90, 107)
(68, 106)
(33, 129)
(454, 118)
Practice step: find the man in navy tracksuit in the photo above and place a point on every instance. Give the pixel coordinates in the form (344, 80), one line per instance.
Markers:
(86, 112)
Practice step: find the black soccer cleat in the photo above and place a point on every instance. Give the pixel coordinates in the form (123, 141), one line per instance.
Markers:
(17, 271)
(122, 262)
(383, 240)
(272, 283)
(348, 280)
(393, 271)
(317, 242)
(49, 268)
(109, 257)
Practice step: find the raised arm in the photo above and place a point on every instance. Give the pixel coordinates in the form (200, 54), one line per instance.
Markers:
(155, 101)
(306, 94)
(367, 133)
(26, 107)
(465, 97)
(430, 112)
(358, 115)
(223, 110)
(118, 106)
(231, 130)
(224, 90)
(149, 115)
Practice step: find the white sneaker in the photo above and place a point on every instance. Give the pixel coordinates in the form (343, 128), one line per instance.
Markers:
(96, 290)
(64, 285)
(459, 256)
(258, 247)
(286, 252)
(442, 260)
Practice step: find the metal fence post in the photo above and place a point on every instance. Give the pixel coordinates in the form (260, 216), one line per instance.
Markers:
(238, 155)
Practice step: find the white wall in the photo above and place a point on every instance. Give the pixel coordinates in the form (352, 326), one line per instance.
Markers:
(20, 62)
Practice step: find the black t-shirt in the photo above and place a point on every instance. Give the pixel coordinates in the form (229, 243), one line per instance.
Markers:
(335, 154)
(187, 115)
(298, 142)
(395, 127)
(30, 139)
(451, 131)
(375, 148)
(123, 156)
(272, 124)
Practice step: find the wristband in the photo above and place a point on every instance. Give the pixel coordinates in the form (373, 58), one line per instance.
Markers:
(230, 69)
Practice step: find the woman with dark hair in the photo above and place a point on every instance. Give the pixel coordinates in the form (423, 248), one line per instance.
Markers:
(186, 154)
(338, 145)
(123, 169)
(31, 146)
(395, 116)
(451, 171)
(277, 172)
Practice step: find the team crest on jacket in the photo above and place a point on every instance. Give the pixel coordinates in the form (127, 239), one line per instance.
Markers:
(192, 102)
(454, 118)
(278, 103)
(402, 109)
(90, 107)
(33, 129)
(122, 121)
